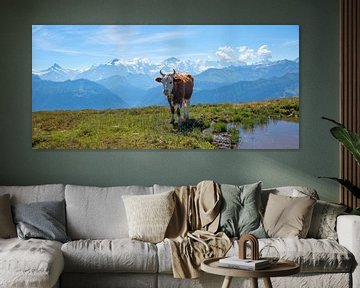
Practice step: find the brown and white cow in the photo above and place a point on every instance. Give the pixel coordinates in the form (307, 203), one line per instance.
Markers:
(178, 88)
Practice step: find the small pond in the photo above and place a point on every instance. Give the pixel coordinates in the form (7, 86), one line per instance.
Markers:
(276, 134)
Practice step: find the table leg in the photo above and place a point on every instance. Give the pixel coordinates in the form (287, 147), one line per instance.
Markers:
(254, 282)
(267, 283)
(227, 282)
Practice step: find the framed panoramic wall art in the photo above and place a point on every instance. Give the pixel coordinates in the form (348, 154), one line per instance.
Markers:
(165, 87)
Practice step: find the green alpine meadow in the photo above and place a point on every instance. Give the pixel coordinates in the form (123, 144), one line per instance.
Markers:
(210, 126)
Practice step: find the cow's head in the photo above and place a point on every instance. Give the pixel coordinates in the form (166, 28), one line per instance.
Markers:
(168, 82)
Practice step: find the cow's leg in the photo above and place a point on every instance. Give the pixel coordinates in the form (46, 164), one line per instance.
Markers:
(186, 109)
(177, 107)
(172, 109)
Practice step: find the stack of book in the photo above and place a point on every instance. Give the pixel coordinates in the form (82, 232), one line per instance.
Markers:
(248, 264)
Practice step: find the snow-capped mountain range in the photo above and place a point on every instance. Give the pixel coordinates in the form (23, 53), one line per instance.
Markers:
(56, 73)
(133, 83)
(135, 66)
(117, 67)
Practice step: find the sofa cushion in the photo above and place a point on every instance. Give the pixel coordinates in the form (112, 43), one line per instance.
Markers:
(98, 213)
(149, 215)
(36, 193)
(116, 255)
(323, 222)
(109, 280)
(291, 191)
(287, 216)
(163, 188)
(240, 210)
(30, 263)
(43, 220)
(7, 227)
(164, 257)
(313, 255)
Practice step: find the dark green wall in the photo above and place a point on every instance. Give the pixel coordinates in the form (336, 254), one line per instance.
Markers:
(318, 153)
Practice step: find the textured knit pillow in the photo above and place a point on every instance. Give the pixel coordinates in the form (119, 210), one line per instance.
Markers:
(288, 217)
(43, 220)
(149, 215)
(7, 226)
(240, 213)
(323, 222)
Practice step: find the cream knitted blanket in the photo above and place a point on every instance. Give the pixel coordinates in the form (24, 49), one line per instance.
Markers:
(191, 231)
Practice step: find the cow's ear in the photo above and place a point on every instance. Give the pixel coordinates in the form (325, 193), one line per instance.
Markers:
(158, 79)
(177, 79)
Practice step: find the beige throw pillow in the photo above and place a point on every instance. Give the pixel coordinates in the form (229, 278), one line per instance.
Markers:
(7, 226)
(149, 215)
(288, 217)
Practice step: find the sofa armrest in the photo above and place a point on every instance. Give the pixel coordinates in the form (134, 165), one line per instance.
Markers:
(348, 230)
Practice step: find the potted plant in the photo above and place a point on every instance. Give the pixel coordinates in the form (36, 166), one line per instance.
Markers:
(351, 141)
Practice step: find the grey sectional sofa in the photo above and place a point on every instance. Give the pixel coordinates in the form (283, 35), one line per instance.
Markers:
(101, 254)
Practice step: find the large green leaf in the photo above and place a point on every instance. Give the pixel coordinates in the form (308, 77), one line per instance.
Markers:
(347, 184)
(348, 138)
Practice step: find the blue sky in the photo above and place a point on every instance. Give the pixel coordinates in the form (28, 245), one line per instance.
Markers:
(81, 46)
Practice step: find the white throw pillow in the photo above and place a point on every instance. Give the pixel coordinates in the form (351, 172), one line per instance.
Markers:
(149, 215)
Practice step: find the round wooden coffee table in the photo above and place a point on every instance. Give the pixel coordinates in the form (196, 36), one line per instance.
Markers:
(281, 268)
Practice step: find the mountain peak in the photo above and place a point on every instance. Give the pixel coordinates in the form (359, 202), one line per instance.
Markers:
(55, 66)
(171, 60)
(114, 61)
(35, 77)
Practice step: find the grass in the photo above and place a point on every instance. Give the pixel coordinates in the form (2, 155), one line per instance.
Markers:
(149, 127)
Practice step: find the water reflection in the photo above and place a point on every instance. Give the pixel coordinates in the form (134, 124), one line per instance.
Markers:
(277, 134)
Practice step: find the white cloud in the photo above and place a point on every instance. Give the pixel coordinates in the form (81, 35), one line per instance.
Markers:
(110, 35)
(250, 55)
(244, 54)
(128, 35)
(263, 53)
(161, 37)
(226, 53)
(50, 46)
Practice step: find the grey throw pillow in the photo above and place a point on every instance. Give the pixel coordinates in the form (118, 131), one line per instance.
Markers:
(44, 220)
(240, 213)
(323, 222)
(7, 227)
